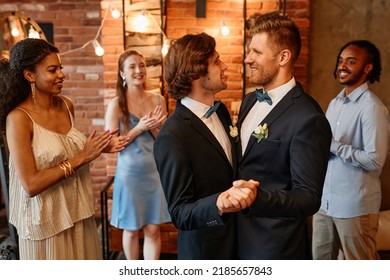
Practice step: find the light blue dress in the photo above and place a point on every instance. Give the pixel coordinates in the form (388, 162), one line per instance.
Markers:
(138, 197)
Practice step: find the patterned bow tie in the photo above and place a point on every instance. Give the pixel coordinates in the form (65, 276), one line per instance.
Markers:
(263, 96)
(212, 109)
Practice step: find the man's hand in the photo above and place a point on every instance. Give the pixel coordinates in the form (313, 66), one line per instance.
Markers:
(240, 196)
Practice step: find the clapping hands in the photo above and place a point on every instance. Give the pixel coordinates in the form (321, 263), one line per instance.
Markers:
(153, 120)
(117, 143)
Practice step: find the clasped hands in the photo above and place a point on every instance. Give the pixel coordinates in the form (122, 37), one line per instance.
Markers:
(240, 196)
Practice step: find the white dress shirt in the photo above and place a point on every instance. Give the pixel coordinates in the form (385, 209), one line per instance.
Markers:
(260, 110)
(213, 123)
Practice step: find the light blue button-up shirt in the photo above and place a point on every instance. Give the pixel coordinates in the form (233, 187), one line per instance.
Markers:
(360, 127)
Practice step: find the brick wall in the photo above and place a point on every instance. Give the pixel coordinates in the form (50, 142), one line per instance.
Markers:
(90, 80)
(181, 19)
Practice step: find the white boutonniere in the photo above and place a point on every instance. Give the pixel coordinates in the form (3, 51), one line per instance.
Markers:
(260, 132)
(234, 132)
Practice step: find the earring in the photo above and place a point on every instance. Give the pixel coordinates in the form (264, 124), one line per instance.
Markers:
(124, 83)
(33, 93)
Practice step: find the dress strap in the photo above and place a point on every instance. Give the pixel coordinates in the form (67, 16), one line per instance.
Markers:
(26, 113)
(66, 104)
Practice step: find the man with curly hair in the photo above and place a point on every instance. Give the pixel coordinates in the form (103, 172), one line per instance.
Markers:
(195, 154)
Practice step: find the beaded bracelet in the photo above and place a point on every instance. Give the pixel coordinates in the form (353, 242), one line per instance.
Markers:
(67, 168)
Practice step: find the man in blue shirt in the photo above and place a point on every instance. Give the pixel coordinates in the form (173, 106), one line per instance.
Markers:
(349, 214)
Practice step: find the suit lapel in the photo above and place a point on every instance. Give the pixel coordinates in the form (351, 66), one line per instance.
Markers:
(226, 121)
(247, 103)
(275, 113)
(200, 127)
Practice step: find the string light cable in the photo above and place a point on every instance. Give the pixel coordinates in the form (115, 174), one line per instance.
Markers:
(99, 50)
(95, 43)
(165, 47)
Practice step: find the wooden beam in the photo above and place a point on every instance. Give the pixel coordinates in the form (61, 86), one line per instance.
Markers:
(201, 8)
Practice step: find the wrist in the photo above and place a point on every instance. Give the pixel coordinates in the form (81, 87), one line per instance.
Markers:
(217, 205)
(142, 128)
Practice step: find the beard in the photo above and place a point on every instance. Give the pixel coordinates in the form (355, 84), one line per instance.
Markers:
(351, 77)
(263, 76)
(213, 86)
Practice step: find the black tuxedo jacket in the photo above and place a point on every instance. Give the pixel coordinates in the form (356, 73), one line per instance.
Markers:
(290, 166)
(194, 170)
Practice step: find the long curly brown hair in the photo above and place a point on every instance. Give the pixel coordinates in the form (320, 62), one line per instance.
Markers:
(14, 88)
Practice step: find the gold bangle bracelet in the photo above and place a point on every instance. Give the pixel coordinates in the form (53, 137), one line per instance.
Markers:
(63, 167)
(67, 168)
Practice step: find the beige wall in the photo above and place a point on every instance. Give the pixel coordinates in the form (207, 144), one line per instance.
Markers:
(335, 22)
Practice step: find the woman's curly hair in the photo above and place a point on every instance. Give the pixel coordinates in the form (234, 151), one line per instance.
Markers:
(14, 88)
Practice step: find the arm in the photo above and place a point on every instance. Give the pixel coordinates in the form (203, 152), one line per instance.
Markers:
(19, 139)
(160, 115)
(371, 154)
(177, 180)
(152, 121)
(118, 143)
(189, 207)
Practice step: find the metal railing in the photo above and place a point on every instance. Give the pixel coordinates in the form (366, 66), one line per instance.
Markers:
(107, 254)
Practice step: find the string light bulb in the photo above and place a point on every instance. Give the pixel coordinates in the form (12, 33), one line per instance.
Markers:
(98, 48)
(140, 22)
(14, 29)
(115, 13)
(225, 30)
(165, 47)
(32, 33)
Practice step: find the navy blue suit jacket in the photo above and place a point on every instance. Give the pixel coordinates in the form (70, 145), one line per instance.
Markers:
(194, 170)
(290, 166)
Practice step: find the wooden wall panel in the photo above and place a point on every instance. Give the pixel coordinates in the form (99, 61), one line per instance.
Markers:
(147, 41)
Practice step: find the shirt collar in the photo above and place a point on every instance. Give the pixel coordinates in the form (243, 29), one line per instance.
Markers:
(196, 107)
(278, 93)
(354, 95)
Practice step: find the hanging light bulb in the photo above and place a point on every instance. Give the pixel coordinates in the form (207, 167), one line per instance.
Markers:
(98, 48)
(165, 47)
(15, 32)
(32, 33)
(224, 29)
(115, 13)
(14, 29)
(140, 22)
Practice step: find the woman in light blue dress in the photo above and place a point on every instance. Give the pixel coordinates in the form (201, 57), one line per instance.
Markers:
(138, 198)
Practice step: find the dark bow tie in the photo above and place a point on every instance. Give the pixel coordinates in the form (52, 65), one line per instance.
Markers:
(263, 96)
(212, 109)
